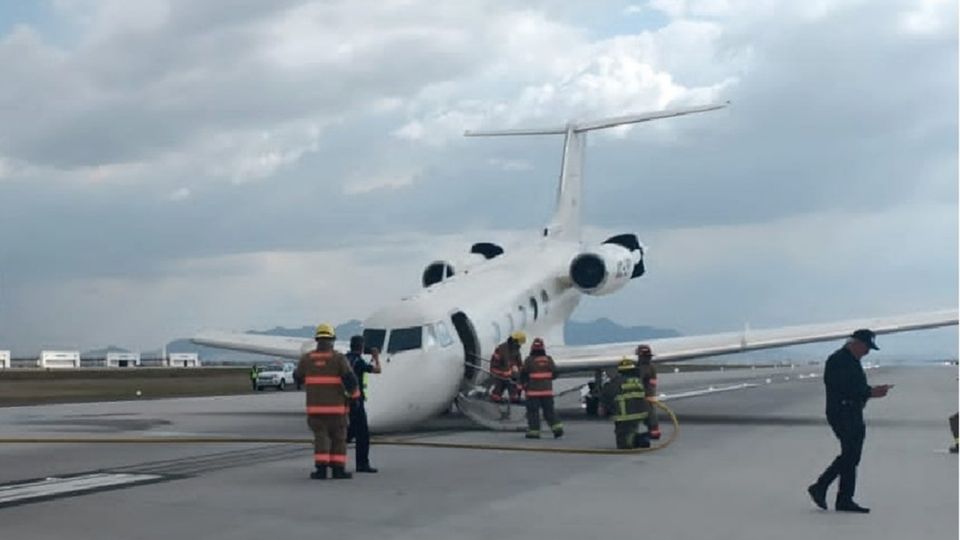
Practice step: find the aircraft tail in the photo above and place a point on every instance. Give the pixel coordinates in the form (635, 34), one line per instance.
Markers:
(565, 223)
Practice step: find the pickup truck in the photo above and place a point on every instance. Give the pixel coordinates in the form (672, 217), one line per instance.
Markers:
(279, 375)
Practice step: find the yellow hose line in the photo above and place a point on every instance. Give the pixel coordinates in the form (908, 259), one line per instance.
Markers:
(544, 449)
(386, 441)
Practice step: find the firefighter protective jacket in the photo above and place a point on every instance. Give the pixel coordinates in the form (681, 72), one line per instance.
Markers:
(330, 383)
(629, 402)
(504, 359)
(537, 375)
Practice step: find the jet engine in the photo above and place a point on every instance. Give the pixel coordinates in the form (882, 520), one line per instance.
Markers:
(438, 271)
(608, 267)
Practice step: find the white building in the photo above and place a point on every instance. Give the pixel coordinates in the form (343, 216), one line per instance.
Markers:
(59, 359)
(123, 359)
(4, 359)
(183, 360)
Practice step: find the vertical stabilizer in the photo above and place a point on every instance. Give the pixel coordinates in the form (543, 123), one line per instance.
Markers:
(566, 220)
(565, 223)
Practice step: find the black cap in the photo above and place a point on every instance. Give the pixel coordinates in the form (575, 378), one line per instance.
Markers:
(866, 336)
(356, 342)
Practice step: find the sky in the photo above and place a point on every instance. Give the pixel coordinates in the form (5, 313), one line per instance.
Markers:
(168, 166)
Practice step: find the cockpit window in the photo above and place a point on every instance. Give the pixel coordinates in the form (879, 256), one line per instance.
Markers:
(405, 339)
(443, 335)
(373, 337)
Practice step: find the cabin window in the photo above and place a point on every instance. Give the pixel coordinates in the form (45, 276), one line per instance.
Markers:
(405, 339)
(522, 316)
(496, 333)
(534, 308)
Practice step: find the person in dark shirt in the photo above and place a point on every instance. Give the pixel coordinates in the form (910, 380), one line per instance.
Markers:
(359, 429)
(847, 394)
(953, 429)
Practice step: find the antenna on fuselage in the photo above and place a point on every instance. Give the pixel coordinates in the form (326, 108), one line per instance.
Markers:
(565, 223)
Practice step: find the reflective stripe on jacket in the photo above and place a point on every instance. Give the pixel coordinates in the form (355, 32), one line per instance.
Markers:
(630, 401)
(330, 383)
(537, 374)
(504, 359)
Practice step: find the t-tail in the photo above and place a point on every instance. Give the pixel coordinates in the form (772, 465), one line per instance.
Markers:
(565, 223)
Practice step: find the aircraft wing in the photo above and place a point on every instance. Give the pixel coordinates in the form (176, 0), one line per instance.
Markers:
(288, 347)
(590, 357)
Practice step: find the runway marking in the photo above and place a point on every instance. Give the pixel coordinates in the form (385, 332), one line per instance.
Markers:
(70, 485)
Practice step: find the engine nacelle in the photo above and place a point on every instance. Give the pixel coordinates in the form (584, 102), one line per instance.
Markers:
(438, 271)
(608, 267)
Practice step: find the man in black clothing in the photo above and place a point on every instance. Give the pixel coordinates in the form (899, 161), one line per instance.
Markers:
(358, 413)
(847, 394)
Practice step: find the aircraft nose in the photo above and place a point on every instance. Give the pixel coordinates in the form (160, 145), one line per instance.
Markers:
(411, 387)
(391, 395)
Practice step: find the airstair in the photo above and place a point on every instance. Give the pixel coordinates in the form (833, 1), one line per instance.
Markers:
(475, 403)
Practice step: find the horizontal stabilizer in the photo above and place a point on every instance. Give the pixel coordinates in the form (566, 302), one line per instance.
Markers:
(590, 125)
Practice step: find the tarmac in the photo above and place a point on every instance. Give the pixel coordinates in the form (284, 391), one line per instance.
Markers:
(738, 469)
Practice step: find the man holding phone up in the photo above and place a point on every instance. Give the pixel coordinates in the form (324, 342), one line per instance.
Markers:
(847, 395)
(358, 412)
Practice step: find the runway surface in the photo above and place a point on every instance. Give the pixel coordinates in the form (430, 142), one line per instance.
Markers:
(738, 470)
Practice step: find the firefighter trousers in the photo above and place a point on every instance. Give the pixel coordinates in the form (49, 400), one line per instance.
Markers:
(534, 405)
(496, 394)
(652, 422)
(329, 439)
(628, 435)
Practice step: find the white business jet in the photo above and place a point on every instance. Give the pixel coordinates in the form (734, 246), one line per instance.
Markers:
(435, 339)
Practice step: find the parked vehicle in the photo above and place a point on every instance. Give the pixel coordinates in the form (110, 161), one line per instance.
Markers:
(277, 375)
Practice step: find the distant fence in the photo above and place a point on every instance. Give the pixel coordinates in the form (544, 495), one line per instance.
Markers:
(114, 373)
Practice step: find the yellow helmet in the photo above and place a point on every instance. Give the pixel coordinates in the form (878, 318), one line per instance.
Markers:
(626, 364)
(325, 331)
(519, 336)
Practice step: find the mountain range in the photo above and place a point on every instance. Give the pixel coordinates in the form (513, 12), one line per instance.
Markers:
(575, 333)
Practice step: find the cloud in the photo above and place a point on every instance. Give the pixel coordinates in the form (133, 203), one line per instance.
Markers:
(295, 127)
(180, 194)
(583, 78)
(516, 165)
(239, 292)
(379, 181)
(928, 18)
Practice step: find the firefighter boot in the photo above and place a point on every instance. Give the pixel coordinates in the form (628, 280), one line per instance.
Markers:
(642, 440)
(339, 473)
(320, 473)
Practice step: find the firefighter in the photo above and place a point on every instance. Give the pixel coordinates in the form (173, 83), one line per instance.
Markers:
(629, 407)
(253, 376)
(331, 386)
(505, 366)
(537, 377)
(648, 374)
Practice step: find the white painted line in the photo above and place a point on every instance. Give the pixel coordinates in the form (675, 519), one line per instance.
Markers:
(55, 486)
(711, 390)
